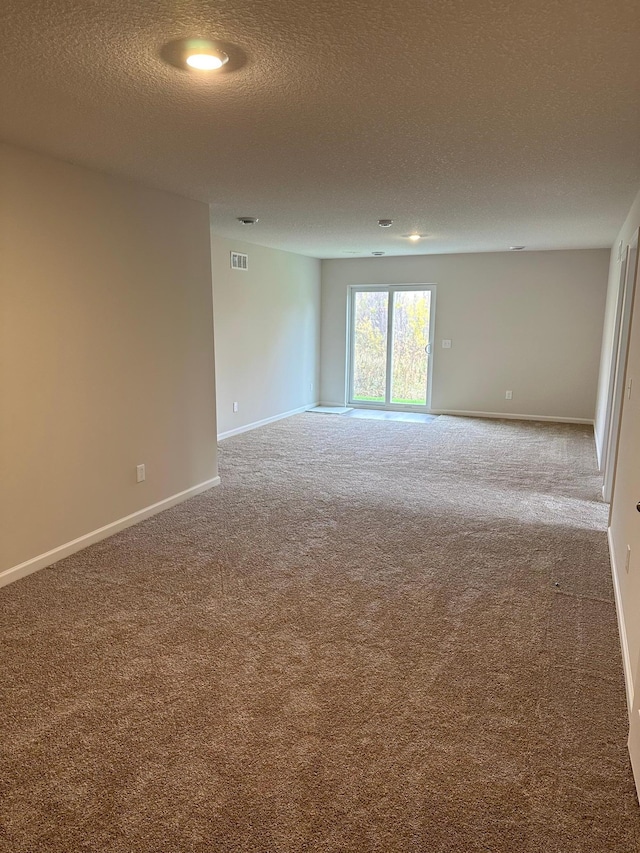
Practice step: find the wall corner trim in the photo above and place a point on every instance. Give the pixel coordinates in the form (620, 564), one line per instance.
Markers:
(62, 551)
(622, 630)
(596, 438)
(265, 421)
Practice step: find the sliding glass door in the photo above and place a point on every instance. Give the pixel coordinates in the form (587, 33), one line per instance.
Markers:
(391, 329)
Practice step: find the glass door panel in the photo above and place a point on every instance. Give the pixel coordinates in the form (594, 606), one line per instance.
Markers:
(390, 334)
(370, 328)
(409, 347)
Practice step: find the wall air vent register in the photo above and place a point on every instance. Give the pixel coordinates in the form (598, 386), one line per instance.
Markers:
(239, 261)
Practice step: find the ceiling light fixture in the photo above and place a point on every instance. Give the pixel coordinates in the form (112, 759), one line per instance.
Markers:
(207, 61)
(516, 248)
(377, 253)
(415, 237)
(385, 223)
(248, 220)
(197, 54)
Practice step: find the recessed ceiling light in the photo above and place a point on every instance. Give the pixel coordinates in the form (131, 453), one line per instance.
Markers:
(207, 61)
(415, 237)
(377, 253)
(197, 54)
(248, 220)
(517, 248)
(385, 223)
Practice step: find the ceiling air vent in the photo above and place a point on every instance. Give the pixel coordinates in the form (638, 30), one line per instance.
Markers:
(239, 261)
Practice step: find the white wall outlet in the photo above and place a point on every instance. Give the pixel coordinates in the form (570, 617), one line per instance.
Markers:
(627, 561)
(140, 473)
(446, 343)
(311, 386)
(629, 387)
(235, 407)
(508, 395)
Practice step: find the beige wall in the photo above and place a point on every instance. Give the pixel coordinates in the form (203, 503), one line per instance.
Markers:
(528, 322)
(106, 351)
(267, 327)
(625, 520)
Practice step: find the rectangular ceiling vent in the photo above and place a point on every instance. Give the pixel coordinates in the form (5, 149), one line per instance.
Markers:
(239, 261)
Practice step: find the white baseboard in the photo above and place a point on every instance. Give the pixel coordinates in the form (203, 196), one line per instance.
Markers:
(626, 659)
(265, 421)
(512, 417)
(50, 557)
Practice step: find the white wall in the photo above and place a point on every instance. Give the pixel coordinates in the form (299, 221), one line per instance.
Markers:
(529, 322)
(267, 333)
(106, 351)
(625, 520)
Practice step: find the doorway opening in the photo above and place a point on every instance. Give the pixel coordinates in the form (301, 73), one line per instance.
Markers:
(390, 345)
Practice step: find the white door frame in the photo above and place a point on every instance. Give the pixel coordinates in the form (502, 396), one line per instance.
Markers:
(614, 357)
(618, 368)
(390, 289)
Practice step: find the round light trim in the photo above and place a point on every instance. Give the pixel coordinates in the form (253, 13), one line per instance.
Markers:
(207, 61)
(385, 223)
(415, 237)
(203, 55)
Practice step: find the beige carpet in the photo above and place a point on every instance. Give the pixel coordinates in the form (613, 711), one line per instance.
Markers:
(355, 644)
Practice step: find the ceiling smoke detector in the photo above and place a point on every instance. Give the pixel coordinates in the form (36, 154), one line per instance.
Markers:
(385, 223)
(377, 253)
(516, 248)
(248, 220)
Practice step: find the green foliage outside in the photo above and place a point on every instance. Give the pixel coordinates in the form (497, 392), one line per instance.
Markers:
(370, 351)
(409, 362)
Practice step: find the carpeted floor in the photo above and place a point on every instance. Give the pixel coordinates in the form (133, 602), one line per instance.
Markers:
(355, 644)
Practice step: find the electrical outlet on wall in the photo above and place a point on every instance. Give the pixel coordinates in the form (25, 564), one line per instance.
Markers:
(141, 473)
(235, 407)
(508, 395)
(627, 561)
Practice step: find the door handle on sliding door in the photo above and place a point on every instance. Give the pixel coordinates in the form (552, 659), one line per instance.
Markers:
(427, 349)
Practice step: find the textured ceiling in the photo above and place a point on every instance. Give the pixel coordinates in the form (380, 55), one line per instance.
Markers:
(483, 123)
